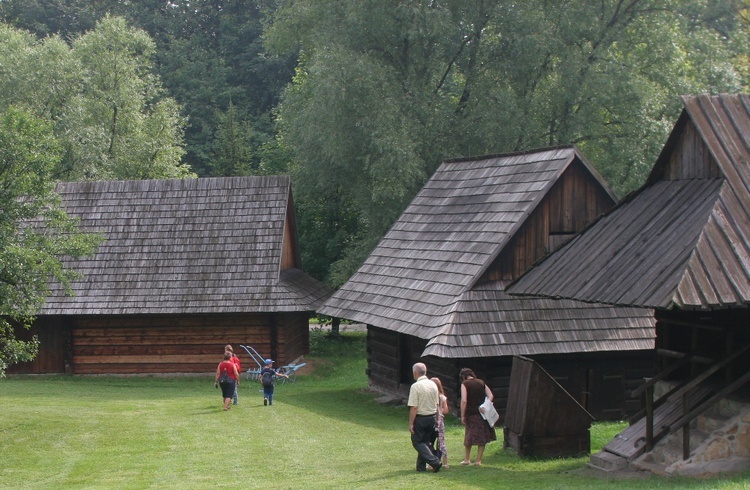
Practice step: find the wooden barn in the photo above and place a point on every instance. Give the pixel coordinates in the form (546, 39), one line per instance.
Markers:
(186, 267)
(679, 245)
(434, 287)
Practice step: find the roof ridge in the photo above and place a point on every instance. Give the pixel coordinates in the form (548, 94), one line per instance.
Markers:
(509, 154)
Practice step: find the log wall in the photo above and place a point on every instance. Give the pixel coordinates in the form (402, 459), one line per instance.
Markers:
(156, 344)
(54, 346)
(600, 382)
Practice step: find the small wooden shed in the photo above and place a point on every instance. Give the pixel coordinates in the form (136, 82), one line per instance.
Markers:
(186, 267)
(433, 289)
(680, 245)
(542, 419)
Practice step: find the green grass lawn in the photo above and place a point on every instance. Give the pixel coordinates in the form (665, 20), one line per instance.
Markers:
(325, 431)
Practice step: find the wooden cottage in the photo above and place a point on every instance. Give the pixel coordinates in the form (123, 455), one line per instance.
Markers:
(542, 419)
(679, 245)
(434, 287)
(186, 267)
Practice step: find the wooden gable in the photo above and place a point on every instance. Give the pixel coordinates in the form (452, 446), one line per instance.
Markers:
(574, 201)
(683, 239)
(686, 155)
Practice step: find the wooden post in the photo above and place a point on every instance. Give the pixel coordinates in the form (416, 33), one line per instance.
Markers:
(650, 418)
(729, 372)
(685, 428)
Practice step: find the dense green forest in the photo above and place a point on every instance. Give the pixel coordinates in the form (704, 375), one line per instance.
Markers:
(359, 101)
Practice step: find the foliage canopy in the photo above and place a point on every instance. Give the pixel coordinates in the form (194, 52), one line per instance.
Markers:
(383, 93)
(35, 234)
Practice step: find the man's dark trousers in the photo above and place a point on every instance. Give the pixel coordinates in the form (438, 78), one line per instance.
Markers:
(422, 439)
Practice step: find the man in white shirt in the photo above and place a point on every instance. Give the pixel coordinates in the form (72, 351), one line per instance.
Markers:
(423, 402)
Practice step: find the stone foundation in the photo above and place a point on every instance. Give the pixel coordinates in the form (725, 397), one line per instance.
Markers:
(726, 448)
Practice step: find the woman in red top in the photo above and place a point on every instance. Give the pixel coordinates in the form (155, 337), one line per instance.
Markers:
(229, 378)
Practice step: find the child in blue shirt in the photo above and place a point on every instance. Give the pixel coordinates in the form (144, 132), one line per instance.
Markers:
(267, 377)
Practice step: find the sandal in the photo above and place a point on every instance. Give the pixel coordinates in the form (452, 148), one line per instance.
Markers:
(478, 463)
(465, 463)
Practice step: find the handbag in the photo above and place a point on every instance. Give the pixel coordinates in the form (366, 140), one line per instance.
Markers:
(488, 412)
(224, 378)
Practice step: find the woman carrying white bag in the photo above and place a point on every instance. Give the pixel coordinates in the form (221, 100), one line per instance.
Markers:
(478, 432)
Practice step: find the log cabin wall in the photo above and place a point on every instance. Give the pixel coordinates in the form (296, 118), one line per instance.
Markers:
(600, 382)
(390, 357)
(159, 343)
(382, 359)
(293, 330)
(574, 201)
(711, 336)
(54, 345)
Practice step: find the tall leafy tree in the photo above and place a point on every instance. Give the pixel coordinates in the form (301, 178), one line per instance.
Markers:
(120, 125)
(108, 109)
(210, 54)
(35, 233)
(385, 91)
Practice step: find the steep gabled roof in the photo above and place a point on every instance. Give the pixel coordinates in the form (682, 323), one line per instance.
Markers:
(421, 280)
(187, 246)
(674, 243)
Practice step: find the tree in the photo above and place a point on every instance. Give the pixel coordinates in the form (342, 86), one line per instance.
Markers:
(384, 92)
(120, 125)
(108, 110)
(35, 233)
(208, 53)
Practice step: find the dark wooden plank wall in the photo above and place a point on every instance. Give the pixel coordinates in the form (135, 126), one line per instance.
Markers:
(180, 344)
(710, 335)
(293, 337)
(54, 341)
(691, 158)
(600, 382)
(390, 358)
(574, 201)
(289, 247)
(541, 419)
(383, 359)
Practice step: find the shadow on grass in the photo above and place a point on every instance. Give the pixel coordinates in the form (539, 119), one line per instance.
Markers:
(349, 405)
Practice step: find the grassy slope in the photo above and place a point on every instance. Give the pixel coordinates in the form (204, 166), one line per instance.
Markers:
(323, 432)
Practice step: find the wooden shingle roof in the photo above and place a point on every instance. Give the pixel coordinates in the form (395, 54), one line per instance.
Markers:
(490, 323)
(421, 277)
(209, 245)
(678, 242)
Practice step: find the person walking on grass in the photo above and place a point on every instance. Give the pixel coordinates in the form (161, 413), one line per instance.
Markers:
(236, 361)
(267, 378)
(442, 411)
(423, 403)
(228, 377)
(478, 432)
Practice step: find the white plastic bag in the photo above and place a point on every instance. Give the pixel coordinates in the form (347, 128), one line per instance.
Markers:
(488, 412)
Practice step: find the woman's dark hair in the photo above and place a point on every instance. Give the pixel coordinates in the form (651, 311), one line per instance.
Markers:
(467, 373)
(227, 355)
